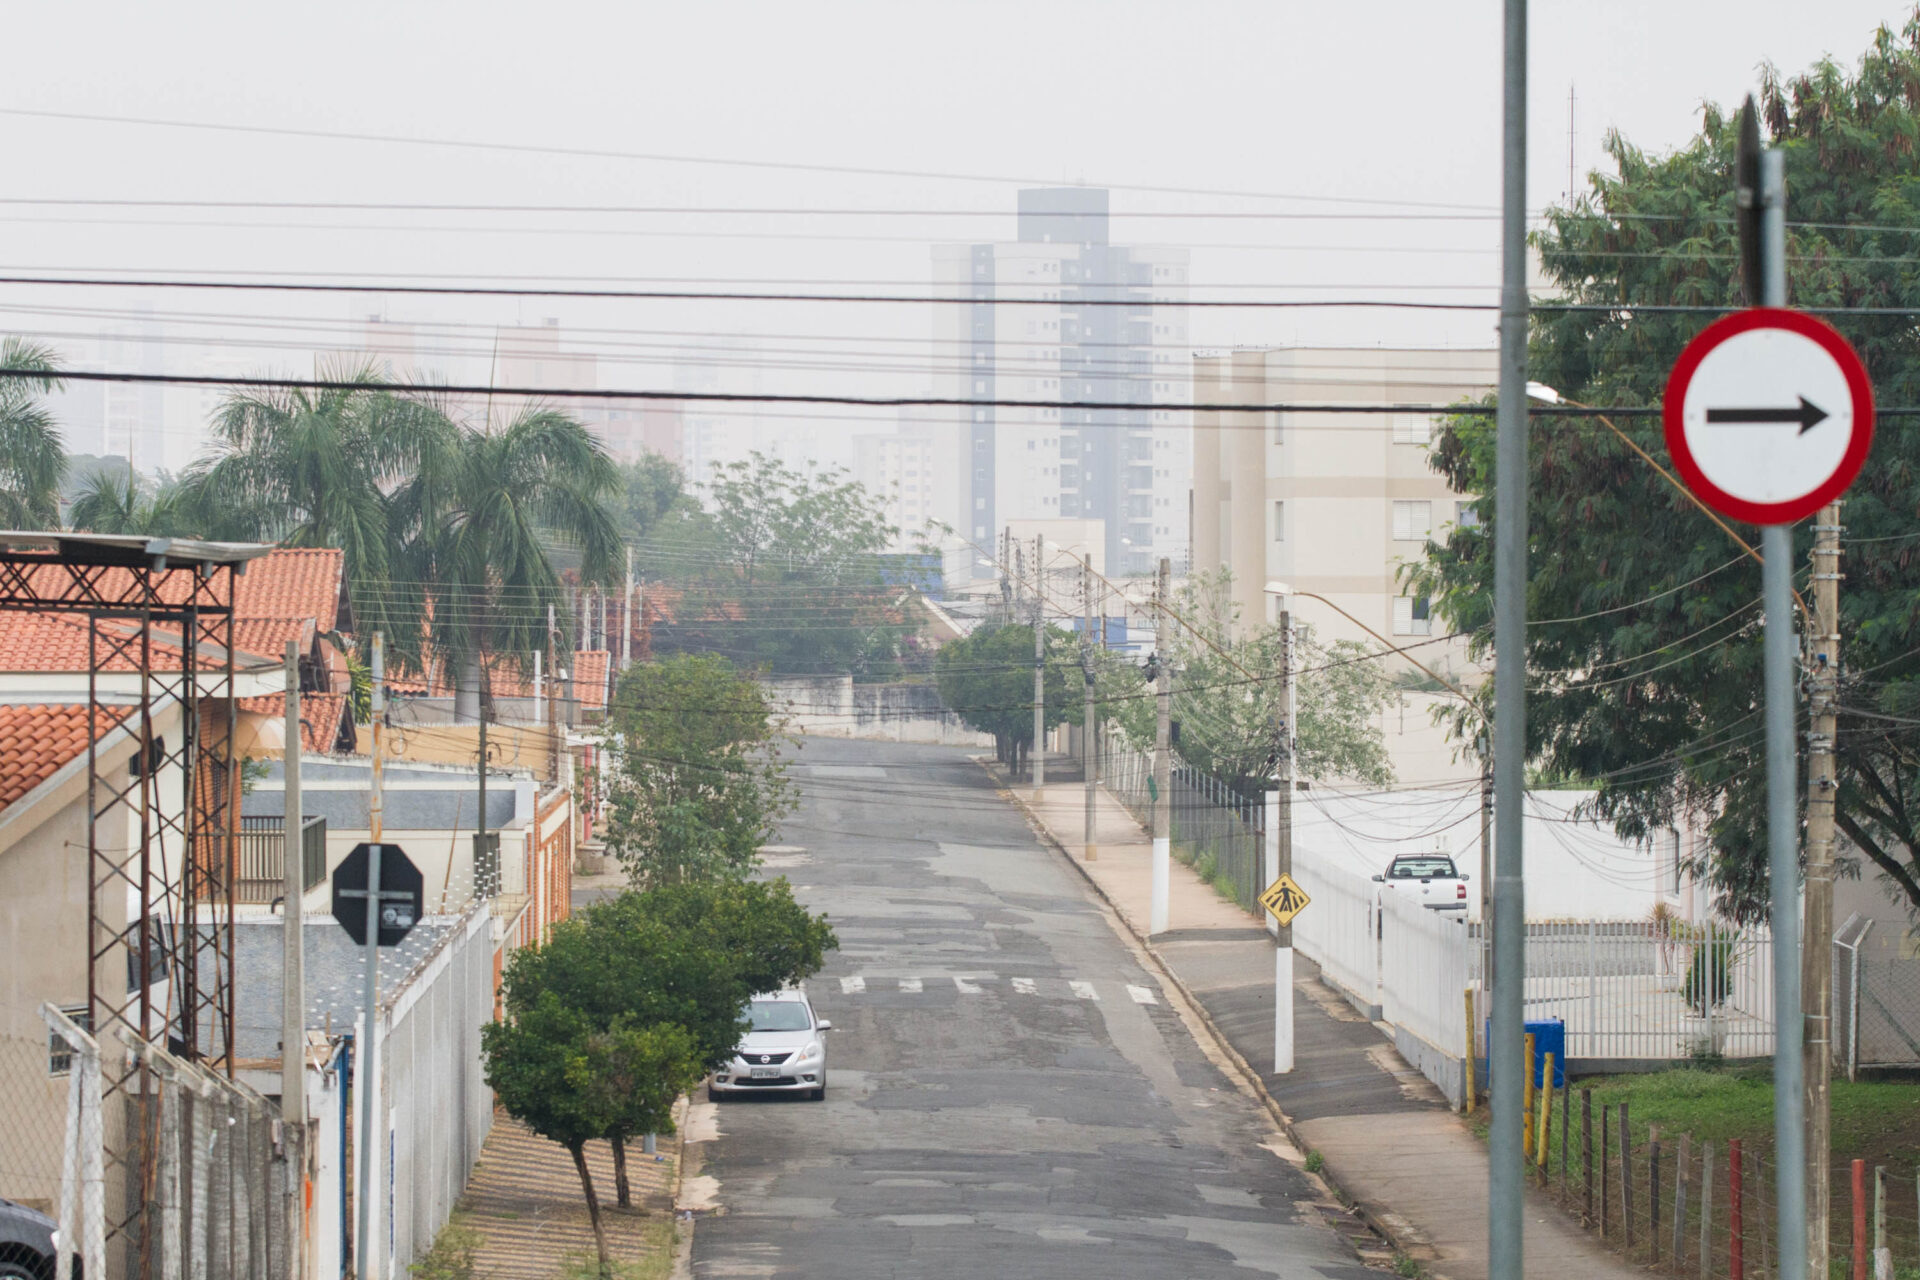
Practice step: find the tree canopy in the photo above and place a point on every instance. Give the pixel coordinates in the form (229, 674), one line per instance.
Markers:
(1644, 644)
(987, 680)
(32, 457)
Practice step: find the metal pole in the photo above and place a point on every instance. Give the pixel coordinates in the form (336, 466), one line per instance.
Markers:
(1506, 1253)
(1039, 671)
(378, 703)
(1086, 675)
(293, 1000)
(626, 617)
(1162, 859)
(1816, 959)
(491, 885)
(1283, 936)
(1783, 833)
(364, 1253)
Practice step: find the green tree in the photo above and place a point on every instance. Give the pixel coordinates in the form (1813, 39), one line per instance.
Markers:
(1227, 699)
(32, 457)
(699, 783)
(650, 487)
(476, 522)
(782, 570)
(987, 680)
(111, 498)
(1644, 653)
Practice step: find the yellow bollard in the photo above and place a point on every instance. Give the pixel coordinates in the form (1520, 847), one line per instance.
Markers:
(1470, 1051)
(1526, 1095)
(1546, 1113)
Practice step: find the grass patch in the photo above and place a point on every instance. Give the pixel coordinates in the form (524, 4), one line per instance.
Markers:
(1315, 1162)
(662, 1243)
(1405, 1266)
(455, 1254)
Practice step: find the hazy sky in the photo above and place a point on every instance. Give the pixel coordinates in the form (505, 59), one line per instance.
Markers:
(1392, 108)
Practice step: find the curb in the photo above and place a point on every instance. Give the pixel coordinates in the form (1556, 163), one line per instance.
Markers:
(1396, 1239)
(682, 1227)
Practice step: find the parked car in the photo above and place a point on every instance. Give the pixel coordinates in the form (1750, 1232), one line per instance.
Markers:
(29, 1243)
(785, 1051)
(1430, 878)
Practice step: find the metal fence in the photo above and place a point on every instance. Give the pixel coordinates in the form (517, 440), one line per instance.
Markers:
(1426, 963)
(262, 876)
(211, 1172)
(1215, 830)
(1337, 932)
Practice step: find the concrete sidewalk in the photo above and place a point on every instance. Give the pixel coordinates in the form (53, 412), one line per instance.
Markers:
(1387, 1136)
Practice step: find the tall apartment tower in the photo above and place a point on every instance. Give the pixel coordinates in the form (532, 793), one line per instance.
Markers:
(1062, 313)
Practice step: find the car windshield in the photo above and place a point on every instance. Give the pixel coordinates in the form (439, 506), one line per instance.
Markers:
(779, 1015)
(1420, 868)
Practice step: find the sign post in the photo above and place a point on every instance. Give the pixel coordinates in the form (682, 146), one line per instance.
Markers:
(1769, 416)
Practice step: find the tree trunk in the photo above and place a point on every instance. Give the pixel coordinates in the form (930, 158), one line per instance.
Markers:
(466, 690)
(579, 1150)
(622, 1194)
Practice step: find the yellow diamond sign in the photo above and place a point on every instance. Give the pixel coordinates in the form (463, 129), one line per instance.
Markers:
(1285, 898)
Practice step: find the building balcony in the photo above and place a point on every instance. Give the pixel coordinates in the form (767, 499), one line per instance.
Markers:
(262, 873)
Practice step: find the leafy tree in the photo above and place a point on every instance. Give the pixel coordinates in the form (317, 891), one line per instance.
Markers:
(699, 784)
(476, 520)
(32, 457)
(573, 1079)
(650, 487)
(1645, 650)
(1228, 719)
(987, 680)
(782, 570)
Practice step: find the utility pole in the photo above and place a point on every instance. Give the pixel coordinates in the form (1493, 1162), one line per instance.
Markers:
(1506, 1251)
(546, 709)
(293, 992)
(486, 869)
(1816, 955)
(1486, 863)
(1039, 670)
(1283, 935)
(365, 1095)
(1086, 675)
(626, 617)
(1162, 864)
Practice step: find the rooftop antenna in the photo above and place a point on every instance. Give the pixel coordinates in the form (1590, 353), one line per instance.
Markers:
(1570, 145)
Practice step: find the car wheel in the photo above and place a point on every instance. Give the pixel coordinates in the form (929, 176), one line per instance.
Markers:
(14, 1269)
(820, 1094)
(713, 1094)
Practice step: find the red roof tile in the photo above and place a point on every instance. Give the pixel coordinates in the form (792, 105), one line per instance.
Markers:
(320, 717)
(590, 677)
(291, 583)
(37, 739)
(59, 642)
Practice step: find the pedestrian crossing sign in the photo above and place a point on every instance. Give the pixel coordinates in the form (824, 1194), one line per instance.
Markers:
(1285, 899)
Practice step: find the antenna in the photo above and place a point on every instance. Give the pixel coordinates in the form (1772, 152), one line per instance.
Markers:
(1571, 190)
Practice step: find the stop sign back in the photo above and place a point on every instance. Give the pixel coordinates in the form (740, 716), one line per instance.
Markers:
(1768, 415)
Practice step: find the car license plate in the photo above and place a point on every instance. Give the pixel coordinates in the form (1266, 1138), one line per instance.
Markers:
(766, 1073)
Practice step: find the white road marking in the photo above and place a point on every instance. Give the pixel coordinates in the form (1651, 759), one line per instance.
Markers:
(966, 986)
(852, 986)
(1023, 986)
(910, 985)
(1141, 995)
(1084, 990)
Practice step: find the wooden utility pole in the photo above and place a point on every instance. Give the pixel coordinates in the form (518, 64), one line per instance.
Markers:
(1039, 669)
(626, 617)
(1816, 951)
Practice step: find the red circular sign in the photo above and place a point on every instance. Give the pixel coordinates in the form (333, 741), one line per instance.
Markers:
(1768, 415)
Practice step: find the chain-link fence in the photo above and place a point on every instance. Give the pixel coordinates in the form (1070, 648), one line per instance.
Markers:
(193, 1177)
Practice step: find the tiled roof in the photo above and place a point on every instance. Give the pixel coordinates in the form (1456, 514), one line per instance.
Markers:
(291, 583)
(320, 716)
(58, 642)
(268, 636)
(590, 677)
(37, 739)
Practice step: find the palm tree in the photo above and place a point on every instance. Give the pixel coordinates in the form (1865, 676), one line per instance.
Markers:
(487, 512)
(32, 458)
(322, 468)
(110, 500)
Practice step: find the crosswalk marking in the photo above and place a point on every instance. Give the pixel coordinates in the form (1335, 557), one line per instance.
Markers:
(1023, 986)
(910, 985)
(966, 986)
(1141, 995)
(852, 986)
(1084, 990)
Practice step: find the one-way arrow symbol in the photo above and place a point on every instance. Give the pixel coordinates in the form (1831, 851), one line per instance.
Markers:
(1809, 415)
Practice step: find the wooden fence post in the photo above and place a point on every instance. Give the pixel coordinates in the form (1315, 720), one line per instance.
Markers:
(1736, 1228)
(1471, 1052)
(1526, 1096)
(1541, 1146)
(1706, 1210)
(1653, 1192)
(1859, 1220)
(1586, 1152)
(1626, 1176)
(1606, 1190)
(1682, 1165)
(1566, 1120)
(1882, 1256)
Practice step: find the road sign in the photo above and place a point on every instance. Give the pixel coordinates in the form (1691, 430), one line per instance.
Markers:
(1769, 415)
(402, 894)
(1284, 898)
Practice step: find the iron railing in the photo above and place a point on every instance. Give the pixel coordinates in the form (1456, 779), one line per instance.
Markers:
(262, 870)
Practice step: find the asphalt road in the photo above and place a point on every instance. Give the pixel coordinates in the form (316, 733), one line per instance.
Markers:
(1010, 1094)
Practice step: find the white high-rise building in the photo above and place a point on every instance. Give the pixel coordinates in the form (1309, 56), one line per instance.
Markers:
(1062, 313)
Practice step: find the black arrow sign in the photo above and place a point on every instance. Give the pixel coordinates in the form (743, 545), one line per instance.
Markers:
(1809, 415)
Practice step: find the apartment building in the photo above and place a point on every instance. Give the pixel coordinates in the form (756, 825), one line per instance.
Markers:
(1063, 313)
(898, 469)
(1329, 503)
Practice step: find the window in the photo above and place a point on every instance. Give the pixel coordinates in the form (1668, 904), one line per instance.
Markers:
(1279, 522)
(1465, 515)
(1412, 521)
(1412, 428)
(59, 1052)
(1412, 616)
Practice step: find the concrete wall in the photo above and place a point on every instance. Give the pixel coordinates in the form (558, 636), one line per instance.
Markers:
(836, 707)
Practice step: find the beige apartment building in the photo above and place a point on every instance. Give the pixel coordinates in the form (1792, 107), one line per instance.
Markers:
(1329, 503)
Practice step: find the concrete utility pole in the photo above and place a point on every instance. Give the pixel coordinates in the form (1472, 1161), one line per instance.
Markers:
(365, 1241)
(1816, 956)
(1086, 675)
(1039, 668)
(1162, 865)
(293, 989)
(1506, 1252)
(1283, 934)
(490, 885)
(626, 617)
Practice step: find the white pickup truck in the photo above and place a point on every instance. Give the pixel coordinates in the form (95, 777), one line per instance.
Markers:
(1429, 878)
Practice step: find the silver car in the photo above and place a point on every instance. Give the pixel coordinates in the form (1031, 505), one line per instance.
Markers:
(785, 1050)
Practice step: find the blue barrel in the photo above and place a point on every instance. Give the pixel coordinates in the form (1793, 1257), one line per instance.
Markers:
(1549, 1037)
